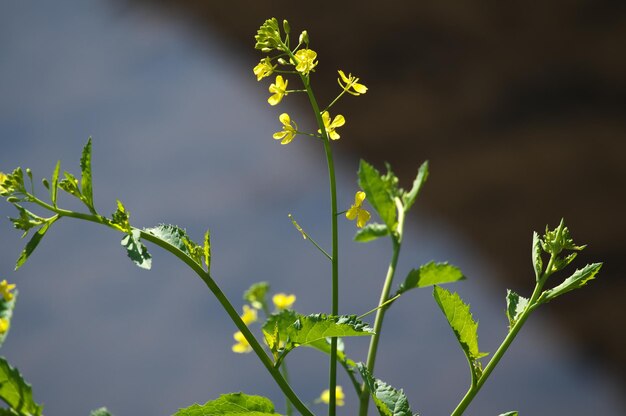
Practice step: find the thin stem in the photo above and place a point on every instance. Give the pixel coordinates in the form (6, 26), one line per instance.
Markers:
(288, 406)
(308, 237)
(382, 305)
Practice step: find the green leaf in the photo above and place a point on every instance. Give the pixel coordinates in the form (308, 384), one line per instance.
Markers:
(85, 182)
(55, 183)
(388, 400)
(121, 218)
(515, 305)
(136, 251)
(311, 330)
(377, 193)
(207, 250)
(537, 250)
(16, 392)
(370, 232)
(26, 220)
(577, 280)
(103, 411)
(431, 274)
(6, 312)
(463, 325)
(178, 238)
(231, 404)
(255, 295)
(513, 413)
(34, 242)
(409, 198)
(70, 185)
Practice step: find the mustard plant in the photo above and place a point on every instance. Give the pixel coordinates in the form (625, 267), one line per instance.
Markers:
(283, 329)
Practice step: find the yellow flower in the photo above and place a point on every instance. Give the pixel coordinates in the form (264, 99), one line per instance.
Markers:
(356, 212)
(4, 325)
(278, 89)
(351, 83)
(249, 315)
(263, 69)
(306, 60)
(3, 178)
(331, 126)
(283, 301)
(242, 346)
(339, 396)
(290, 129)
(5, 290)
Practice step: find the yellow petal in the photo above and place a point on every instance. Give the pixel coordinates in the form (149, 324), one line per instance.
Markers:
(285, 119)
(334, 135)
(360, 88)
(279, 135)
(352, 213)
(362, 218)
(288, 138)
(359, 197)
(326, 118)
(275, 99)
(338, 121)
(343, 76)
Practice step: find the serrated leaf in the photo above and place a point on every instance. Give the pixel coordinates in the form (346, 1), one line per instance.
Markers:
(463, 325)
(207, 250)
(178, 238)
(136, 251)
(536, 255)
(231, 404)
(370, 232)
(513, 413)
(70, 185)
(312, 330)
(34, 242)
(85, 181)
(6, 312)
(16, 392)
(577, 280)
(55, 183)
(121, 218)
(409, 198)
(388, 400)
(372, 183)
(103, 411)
(515, 305)
(255, 295)
(431, 274)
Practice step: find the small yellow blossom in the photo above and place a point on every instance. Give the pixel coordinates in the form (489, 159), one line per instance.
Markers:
(283, 301)
(4, 325)
(331, 126)
(290, 129)
(351, 83)
(242, 346)
(5, 290)
(278, 89)
(356, 212)
(3, 178)
(249, 315)
(306, 61)
(264, 69)
(339, 396)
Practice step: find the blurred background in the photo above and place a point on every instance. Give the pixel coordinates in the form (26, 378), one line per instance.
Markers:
(519, 108)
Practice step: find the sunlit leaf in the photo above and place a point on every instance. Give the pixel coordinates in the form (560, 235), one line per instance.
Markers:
(103, 411)
(178, 238)
(409, 198)
(370, 232)
(16, 392)
(207, 250)
(513, 413)
(515, 305)
(536, 255)
(232, 404)
(121, 218)
(388, 400)
(577, 280)
(136, 251)
(6, 312)
(85, 182)
(463, 325)
(34, 242)
(55, 183)
(431, 274)
(372, 183)
(70, 185)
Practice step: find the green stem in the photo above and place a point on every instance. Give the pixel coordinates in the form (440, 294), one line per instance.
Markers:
(217, 292)
(502, 349)
(383, 305)
(288, 406)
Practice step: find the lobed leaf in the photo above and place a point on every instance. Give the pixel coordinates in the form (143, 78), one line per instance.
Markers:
(16, 392)
(372, 183)
(231, 404)
(85, 181)
(577, 280)
(370, 232)
(388, 400)
(431, 274)
(178, 238)
(34, 242)
(515, 305)
(463, 325)
(6, 312)
(136, 251)
(409, 198)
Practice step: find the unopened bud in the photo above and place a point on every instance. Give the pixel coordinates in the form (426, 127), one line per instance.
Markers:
(45, 183)
(304, 37)
(286, 27)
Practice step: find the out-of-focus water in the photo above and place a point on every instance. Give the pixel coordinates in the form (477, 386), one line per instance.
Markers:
(182, 134)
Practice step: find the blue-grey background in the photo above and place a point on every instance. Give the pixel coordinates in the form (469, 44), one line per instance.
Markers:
(182, 134)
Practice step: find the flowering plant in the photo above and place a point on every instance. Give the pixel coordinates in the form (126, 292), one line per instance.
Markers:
(284, 329)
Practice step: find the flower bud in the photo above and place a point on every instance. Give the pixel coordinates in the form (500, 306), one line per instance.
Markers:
(286, 27)
(45, 183)
(304, 37)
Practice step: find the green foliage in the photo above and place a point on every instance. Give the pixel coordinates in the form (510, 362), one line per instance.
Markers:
(136, 251)
(16, 392)
(371, 232)
(70, 185)
(577, 280)
(6, 312)
(536, 256)
(515, 306)
(55, 184)
(103, 411)
(34, 242)
(178, 238)
(85, 182)
(388, 400)
(256, 295)
(231, 404)
(207, 250)
(463, 325)
(513, 413)
(26, 220)
(379, 193)
(121, 218)
(431, 274)
(408, 199)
